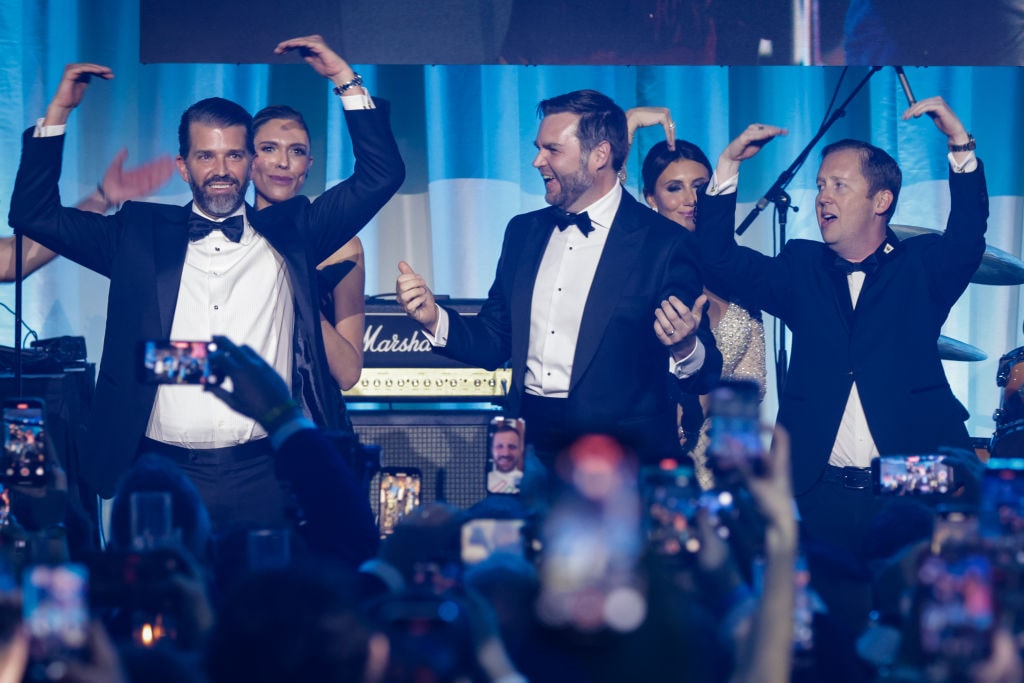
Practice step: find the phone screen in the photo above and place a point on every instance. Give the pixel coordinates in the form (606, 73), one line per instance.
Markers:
(506, 442)
(56, 615)
(957, 608)
(912, 475)
(671, 499)
(1002, 500)
(25, 460)
(481, 538)
(399, 496)
(735, 411)
(177, 362)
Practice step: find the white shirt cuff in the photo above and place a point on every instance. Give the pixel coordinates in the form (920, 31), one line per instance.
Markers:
(716, 188)
(969, 165)
(358, 101)
(440, 338)
(42, 131)
(688, 366)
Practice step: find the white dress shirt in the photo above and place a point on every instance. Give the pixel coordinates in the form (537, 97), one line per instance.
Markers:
(560, 294)
(240, 291)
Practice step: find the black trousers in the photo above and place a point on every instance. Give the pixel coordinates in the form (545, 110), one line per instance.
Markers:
(835, 524)
(238, 484)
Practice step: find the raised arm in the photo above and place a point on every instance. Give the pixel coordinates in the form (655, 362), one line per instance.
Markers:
(343, 340)
(325, 61)
(956, 256)
(71, 90)
(342, 211)
(768, 657)
(744, 146)
(118, 186)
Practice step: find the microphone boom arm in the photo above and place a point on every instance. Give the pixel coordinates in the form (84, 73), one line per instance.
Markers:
(776, 194)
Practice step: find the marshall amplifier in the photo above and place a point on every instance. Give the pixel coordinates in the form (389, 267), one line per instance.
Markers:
(399, 365)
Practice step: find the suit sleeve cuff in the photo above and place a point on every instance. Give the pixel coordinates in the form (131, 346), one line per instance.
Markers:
(359, 101)
(440, 338)
(717, 187)
(42, 131)
(969, 164)
(690, 365)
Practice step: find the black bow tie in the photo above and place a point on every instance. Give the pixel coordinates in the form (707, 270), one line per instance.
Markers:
(868, 265)
(199, 227)
(563, 219)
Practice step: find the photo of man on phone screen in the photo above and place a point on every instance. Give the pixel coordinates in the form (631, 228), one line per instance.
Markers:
(506, 471)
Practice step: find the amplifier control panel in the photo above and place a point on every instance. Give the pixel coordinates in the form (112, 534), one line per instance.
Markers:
(439, 384)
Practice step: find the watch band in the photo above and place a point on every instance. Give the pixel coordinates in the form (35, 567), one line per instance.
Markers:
(970, 146)
(356, 81)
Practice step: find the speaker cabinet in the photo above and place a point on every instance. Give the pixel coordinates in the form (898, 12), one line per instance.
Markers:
(448, 447)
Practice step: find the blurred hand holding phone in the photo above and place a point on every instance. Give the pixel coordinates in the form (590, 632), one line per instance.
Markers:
(26, 460)
(481, 538)
(177, 362)
(912, 475)
(398, 495)
(55, 614)
(1002, 501)
(591, 540)
(736, 435)
(956, 607)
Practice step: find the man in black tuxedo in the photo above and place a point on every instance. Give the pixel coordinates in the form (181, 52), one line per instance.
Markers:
(865, 310)
(212, 267)
(591, 303)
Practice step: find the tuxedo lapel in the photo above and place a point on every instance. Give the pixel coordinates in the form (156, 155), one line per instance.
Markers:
(170, 242)
(277, 223)
(620, 256)
(534, 243)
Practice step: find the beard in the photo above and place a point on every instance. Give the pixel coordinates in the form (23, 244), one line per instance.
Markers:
(219, 205)
(571, 188)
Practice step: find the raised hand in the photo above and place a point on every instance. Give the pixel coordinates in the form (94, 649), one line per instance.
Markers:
(641, 117)
(71, 90)
(320, 56)
(257, 390)
(120, 185)
(744, 146)
(415, 297)
(772, 489)
(945, 120)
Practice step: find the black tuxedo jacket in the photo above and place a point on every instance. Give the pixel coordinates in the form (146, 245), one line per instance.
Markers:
(142, 249)
(618, 381)
(888, 344)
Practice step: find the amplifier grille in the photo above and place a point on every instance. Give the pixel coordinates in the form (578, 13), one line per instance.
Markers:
(454, 442)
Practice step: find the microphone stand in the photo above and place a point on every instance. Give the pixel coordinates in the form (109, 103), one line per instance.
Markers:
(18, 271)
(777, 195)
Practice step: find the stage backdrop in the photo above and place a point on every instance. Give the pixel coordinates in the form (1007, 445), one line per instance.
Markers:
(467, 132)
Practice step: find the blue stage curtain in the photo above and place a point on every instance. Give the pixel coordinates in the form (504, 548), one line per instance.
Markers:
(467, 135)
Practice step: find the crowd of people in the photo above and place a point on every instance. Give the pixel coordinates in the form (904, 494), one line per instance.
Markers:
(629, 549)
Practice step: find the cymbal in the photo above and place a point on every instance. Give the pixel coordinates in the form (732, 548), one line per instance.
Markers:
(997, 267)
(951, 349)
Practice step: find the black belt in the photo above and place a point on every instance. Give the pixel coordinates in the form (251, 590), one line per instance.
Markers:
(850, 477)
(207, 456)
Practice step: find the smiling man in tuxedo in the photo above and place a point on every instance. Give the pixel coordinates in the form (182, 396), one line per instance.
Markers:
(213, 267)
(596, 299)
